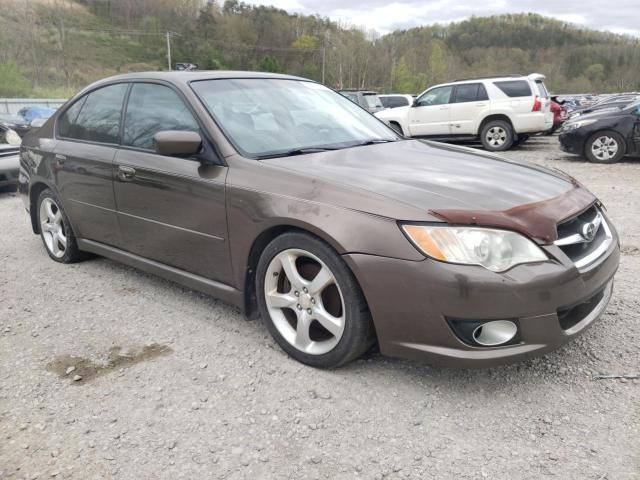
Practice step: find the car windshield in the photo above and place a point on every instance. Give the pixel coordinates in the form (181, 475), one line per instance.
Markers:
(271, 117)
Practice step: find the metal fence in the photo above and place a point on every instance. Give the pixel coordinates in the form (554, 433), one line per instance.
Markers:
(12, 105)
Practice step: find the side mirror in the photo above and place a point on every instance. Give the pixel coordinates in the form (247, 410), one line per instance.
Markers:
(177, 142)
(415, 102)
(37, 122)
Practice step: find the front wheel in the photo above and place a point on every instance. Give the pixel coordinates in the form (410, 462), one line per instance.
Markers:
(311, 303)
(605, 147)
(497, 136)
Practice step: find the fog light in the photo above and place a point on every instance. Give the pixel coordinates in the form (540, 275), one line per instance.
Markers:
(492, 334)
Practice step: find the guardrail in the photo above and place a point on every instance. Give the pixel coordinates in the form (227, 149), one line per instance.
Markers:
(13, 105)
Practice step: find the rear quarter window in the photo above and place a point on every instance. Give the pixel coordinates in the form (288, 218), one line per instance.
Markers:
(514, 88)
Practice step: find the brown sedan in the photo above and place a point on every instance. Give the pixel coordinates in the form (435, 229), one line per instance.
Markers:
(284, 198)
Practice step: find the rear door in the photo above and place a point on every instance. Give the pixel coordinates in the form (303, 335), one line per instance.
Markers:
(470, 101)
(170, 209)
(431, 113)
(88, 134)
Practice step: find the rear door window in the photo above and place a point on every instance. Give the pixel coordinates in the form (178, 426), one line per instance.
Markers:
(98, 119)
(372, 100)
(514, 88)
(470, 92)
(153, 108)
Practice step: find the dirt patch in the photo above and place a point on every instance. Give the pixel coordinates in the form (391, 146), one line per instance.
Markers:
(630, 250)
(80, 370)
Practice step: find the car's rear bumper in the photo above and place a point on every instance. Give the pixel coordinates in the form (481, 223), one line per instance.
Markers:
(411, 301)
(533, 122)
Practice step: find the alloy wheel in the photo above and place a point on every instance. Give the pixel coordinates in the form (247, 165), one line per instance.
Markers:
(304, 301)
(604, 147)
(496, 136)
(53, 228)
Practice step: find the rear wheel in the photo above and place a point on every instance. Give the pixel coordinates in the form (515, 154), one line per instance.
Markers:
(55, 230)
(605, 147)
(497, 136)
(311, 302)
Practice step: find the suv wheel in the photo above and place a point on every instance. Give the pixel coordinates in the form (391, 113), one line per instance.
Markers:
(311, 302)
(497, 135)
(55, 230)
(605, 147)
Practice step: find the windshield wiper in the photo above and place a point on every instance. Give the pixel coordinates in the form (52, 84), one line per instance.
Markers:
(296, 151)
(371, 141)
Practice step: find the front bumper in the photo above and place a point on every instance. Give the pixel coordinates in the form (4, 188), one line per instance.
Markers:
(572, 142)
(9, 167)
(410, 302)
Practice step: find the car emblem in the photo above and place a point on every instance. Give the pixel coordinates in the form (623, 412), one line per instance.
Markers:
(589, 231)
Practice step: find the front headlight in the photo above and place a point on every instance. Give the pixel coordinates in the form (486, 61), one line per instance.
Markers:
(578, 124)
(496, 250)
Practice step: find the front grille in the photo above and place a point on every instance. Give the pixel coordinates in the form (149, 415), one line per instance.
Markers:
(9, 152)
(574, 239)
(571, 316)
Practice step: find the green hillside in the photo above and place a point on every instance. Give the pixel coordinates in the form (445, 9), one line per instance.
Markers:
(54, 47)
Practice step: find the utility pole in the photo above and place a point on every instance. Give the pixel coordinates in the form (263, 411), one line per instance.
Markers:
(324, 49)
(169, 49)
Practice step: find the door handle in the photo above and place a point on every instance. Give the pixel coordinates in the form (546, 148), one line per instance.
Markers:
(126, 174)
(481, 104)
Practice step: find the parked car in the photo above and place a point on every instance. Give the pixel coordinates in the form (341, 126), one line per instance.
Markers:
(9, 166)
(319, 217)
(368, 100)
(605, 105)
(35, 112)
(497, 110)
(603, 136)
(560, 115)
(395, 100)
(15, 123)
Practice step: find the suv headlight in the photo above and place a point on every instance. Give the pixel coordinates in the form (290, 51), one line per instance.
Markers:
(577, 124)
(496, 250)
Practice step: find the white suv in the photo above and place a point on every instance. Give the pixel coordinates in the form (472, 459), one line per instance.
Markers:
(501, 111)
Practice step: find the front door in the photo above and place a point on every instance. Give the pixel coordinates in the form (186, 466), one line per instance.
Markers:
(430, 115)
(170, 209)
(88, 135)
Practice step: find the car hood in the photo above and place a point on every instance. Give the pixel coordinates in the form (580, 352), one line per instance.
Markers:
(598, 114)
(431, 175)
(392, 112)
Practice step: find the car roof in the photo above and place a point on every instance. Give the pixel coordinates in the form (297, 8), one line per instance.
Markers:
(184, 77)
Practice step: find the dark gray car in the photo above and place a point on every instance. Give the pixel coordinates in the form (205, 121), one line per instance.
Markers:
(282, 197)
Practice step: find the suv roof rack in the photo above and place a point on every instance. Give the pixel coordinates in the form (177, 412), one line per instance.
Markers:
(511, 75)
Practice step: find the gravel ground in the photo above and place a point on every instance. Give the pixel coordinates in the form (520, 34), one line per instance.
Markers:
(178, 385)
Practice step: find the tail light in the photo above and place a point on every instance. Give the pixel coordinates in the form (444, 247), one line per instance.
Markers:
(537, 104)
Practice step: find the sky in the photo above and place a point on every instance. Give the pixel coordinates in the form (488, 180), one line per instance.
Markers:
(617, 16)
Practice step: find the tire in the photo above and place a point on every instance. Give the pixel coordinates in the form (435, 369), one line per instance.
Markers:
(606, 146)
(289, 272)
(55, 230)
(497, 136)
